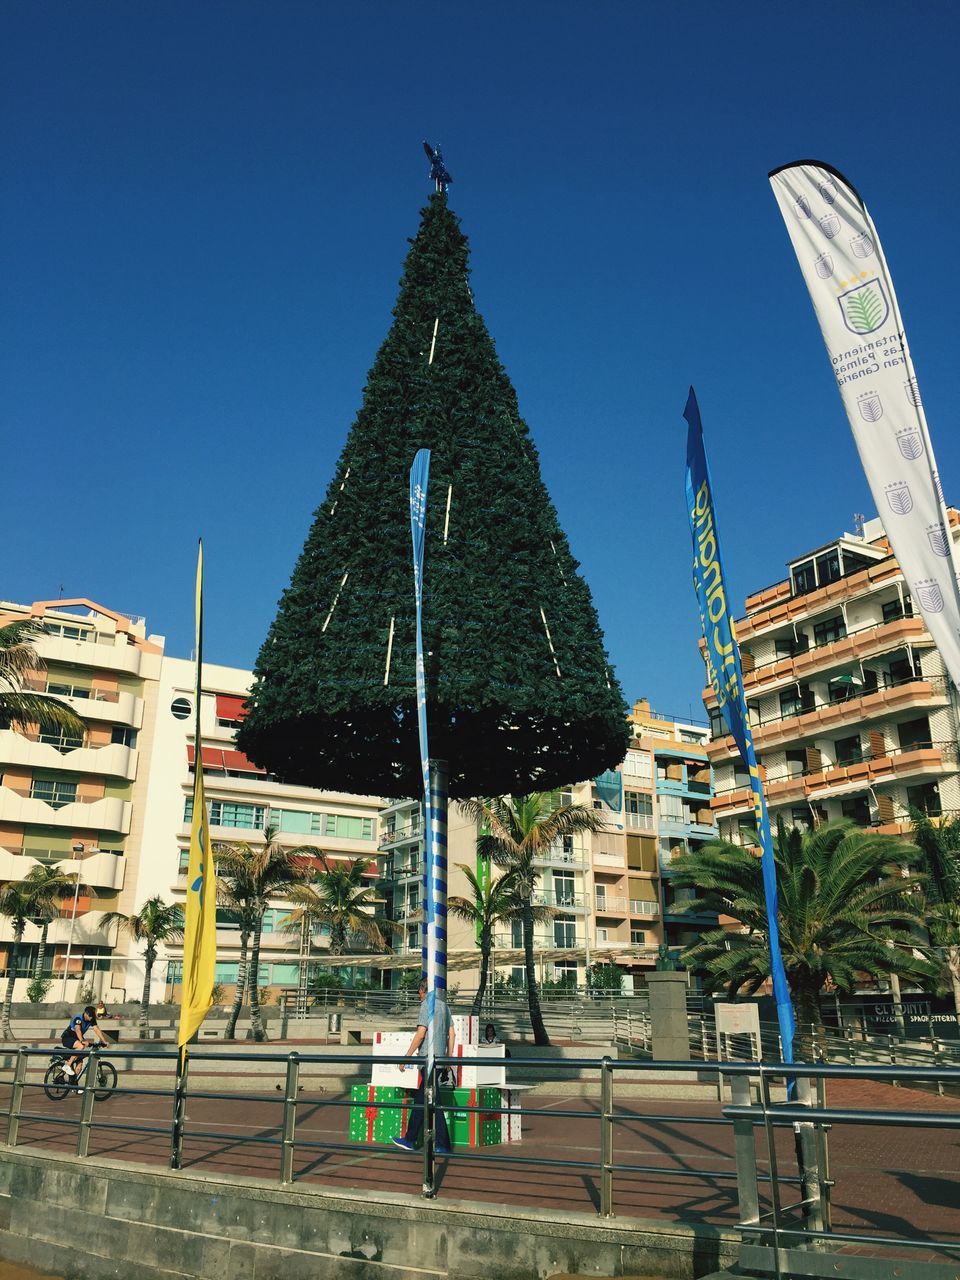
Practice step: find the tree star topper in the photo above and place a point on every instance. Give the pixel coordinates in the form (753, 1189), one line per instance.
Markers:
(438, 170)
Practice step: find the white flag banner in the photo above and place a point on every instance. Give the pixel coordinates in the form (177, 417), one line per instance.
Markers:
(852, 293)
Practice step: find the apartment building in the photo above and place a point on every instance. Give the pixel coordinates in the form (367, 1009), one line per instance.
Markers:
(608, 892)
(243, 801)
(852, 713)
(72, 800)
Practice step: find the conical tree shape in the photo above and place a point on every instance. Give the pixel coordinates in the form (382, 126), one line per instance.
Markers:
(519, 700)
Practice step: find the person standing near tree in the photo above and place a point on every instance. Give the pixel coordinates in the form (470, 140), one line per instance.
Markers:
(444, 1040)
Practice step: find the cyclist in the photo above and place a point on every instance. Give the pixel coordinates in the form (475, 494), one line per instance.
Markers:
(74, 1037)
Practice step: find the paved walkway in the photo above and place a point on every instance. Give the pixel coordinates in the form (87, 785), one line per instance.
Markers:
(902, 1182)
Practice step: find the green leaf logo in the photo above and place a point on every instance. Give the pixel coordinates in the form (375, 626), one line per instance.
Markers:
(864, 308)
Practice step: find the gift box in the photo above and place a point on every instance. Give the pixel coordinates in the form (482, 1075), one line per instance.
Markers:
(372, 1122)
(472, 1128)
(511, 1117)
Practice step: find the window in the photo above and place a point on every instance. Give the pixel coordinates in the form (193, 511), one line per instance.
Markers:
(829, 630)
(67, 631)
(638, 937)
(828, 567)
(853, 563)
(671, 808)
(796, 699)
(849, 750)
(603, 935)
(123, 736)
(803, 577)
(180, 708)
(914, 735)
(298, 821)
(53, 791)
(796, 763)
(800, 817)
(857, 808)
(639, 809)
(894, 609)
(516, 933)
(564, 932)
(62, 740)
(717, 728)
(753, 712)
(563, 888)
(637, 764)
(348, 827)
(284, 973)
(228, 813)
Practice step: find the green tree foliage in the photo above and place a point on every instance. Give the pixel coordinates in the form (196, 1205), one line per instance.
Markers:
(18, 661)
(248, 877)
(341, 899)
(517, 831)
(48, 887)
(939, 845)
(845, 910)
(157, 922)
(508, 712)
(491, 902)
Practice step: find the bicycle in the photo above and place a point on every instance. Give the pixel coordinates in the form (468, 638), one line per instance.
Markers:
(56, 1085)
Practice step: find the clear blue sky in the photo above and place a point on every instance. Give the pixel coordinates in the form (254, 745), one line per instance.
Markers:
(204, 215)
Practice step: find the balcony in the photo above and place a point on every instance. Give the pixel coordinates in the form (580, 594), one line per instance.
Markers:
(820, 721)
(100, 651)
(107, 705)
(641, 907)
(639, 821)
(392, 836)
(605, 905)
(86, 932)
(775, 606)
(560, 901)
(556, 857)
(105, 813)
(26, 749)
(97, 870)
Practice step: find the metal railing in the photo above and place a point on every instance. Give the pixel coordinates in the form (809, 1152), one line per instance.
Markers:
(782, 1212)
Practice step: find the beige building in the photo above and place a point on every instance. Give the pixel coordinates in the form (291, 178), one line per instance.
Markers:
(852, 713)
(71, 801)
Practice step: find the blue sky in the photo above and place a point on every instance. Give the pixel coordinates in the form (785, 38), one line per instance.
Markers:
(204, 217)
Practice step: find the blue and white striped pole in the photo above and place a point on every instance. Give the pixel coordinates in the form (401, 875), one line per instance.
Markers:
(434, 784)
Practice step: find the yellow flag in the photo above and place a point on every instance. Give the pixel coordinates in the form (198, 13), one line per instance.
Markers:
(200, 915)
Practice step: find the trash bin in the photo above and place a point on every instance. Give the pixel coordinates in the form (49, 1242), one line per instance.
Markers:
(333, 1023)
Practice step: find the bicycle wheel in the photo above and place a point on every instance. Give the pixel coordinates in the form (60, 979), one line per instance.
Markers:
(54, 1085)
(106, 1080)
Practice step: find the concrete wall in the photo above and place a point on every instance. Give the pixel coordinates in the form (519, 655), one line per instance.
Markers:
(95, 1222)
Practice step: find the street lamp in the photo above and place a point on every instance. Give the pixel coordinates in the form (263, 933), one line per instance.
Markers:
(78, 850)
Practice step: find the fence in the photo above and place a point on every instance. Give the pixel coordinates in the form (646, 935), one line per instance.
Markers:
(776, 1212)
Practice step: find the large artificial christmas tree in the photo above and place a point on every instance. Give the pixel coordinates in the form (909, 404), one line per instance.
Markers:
(520, 694)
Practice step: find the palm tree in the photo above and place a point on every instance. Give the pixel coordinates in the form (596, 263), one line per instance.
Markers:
(48, 887)
(516, 831)
(18, 661)
(340, 899)
(155, 923)
(16, 905)
(237, 893)
(261, 872)
(846, 908)
(491, 902)
(939, 844)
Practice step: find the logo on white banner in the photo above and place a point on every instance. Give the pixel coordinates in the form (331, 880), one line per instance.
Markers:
(871, 410)
(829, 225)
(913, 393)
(828, 190)
(899, 498)
(802, 207)
(930, 596)
(910, 444)
(939, 541)
(861, 245)
(824, 266)
(864, 308)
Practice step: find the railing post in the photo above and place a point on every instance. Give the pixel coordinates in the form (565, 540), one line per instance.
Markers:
(87, 1101)
(744, 1150)
(429, 1188)
(775, 1208)
(289, 1131)
(808, 1157)
(824, 1158)
(16, 1098)
(179, 1109)
(606, 1138)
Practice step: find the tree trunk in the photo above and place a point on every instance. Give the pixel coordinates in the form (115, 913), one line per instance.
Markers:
(484, 970)
(148, 958)
(253, 984)
(953, 964)
(41, 951)
(231, 1030)
(5, 1029)
(810, 1028)
(540, 1036)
